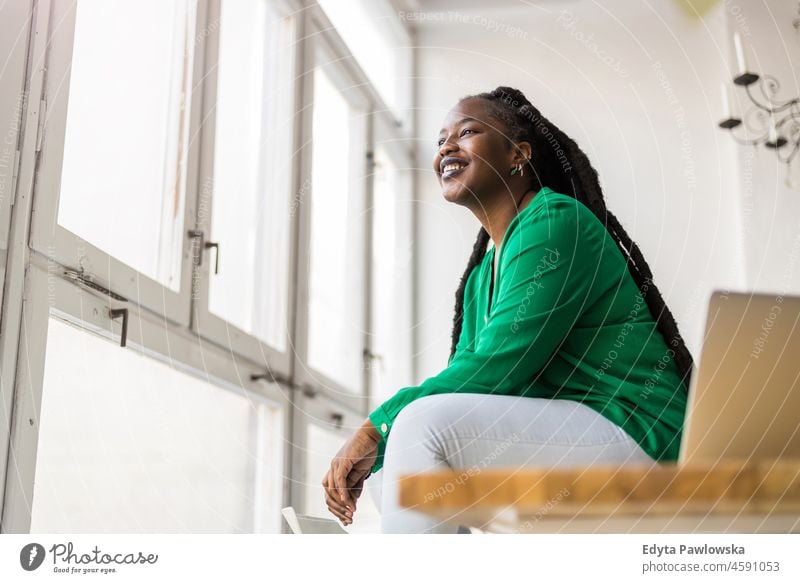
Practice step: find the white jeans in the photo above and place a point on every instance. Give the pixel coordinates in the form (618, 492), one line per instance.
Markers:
(475, 431)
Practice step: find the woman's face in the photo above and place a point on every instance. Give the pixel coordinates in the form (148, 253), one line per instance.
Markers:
(474, 157)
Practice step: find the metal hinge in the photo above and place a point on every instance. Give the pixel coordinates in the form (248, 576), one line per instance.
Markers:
(86, 280)
(269, 376)
(40, 128)
(272, 377)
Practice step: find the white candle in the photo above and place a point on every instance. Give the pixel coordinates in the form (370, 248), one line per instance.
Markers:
(740, 60)
(726, 103)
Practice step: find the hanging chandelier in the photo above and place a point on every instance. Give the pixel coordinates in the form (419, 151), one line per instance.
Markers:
(774, 122)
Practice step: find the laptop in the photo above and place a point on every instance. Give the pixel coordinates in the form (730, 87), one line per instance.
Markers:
(744, 398)
(306, 524)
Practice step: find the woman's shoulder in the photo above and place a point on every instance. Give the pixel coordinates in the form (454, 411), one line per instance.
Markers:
(553, 213)
(560, 224)
(551, 203)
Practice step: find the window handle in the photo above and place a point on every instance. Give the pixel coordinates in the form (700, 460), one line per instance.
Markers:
(116, 313)
(198, 234)
(209, 244)
(337, 419)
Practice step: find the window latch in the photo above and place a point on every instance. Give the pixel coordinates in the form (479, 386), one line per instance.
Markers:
(116, 313)
(337, 419)
(198, 234)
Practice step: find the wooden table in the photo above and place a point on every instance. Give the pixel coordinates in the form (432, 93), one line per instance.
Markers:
(723, 497)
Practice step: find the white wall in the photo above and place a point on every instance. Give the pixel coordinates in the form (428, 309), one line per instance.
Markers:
(770, 208)
(645, 111)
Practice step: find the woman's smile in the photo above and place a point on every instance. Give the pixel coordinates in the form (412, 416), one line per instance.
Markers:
(452, 166)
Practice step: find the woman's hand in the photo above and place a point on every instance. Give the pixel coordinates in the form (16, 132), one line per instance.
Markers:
(344, 481)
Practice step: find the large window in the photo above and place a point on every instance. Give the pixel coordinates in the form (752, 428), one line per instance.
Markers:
(124, 169)
(117, 174)
(219, 252)
(380, 45)
(336, 275)
(392, 273)
(252, 173)
(130, 444)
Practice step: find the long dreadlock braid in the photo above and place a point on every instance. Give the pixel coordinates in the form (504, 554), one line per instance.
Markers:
(560, 164)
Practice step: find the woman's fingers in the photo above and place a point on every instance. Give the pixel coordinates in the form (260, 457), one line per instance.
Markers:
(336, 506)
(339, 510)
(327, 489)
(344, 481)
(326, 482)
(340, 484)
(355, 485)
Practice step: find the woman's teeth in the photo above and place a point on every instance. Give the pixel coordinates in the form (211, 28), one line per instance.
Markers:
(452, 169)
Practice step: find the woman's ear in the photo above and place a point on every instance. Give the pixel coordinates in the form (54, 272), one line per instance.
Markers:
(522, 152)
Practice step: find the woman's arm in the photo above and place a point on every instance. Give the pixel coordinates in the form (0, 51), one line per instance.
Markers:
(546, 274)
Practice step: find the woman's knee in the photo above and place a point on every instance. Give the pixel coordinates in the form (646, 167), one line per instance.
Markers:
(417, 427)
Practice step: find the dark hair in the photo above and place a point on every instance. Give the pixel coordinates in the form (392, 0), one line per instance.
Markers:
(558, 162)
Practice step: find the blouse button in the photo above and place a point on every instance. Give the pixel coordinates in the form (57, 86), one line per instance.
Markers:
(384, 428)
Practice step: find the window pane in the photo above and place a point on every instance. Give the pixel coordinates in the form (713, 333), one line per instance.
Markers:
(372, 32)
(123, 177)
(252, 169)
(337, 224)
(322, 446)
(128, 444)
(391, 281)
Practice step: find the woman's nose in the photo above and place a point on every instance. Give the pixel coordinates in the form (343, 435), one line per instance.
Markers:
(446, 148)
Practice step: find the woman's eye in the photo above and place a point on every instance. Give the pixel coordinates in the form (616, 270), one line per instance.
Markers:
(441, 140)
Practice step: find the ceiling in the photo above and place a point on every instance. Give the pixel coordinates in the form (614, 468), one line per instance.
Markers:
(436, 5)
(693, 8)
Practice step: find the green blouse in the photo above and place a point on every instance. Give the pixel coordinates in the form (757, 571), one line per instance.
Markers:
(566, 321)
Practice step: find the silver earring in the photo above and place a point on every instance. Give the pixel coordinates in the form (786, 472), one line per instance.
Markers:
(521, 170)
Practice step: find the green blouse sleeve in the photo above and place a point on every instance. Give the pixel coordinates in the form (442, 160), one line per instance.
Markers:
(545, 269)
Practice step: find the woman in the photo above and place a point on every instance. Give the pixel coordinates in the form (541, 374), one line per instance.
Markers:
(563, 351)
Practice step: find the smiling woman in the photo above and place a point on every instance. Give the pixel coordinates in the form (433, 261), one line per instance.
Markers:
(558, 361)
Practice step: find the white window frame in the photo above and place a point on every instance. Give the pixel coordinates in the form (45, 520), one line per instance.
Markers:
(394, 143)
(67, 248)
(88, 309)
(383, 13)
(318, 37)
(160, 320)
(14, 29)
(18, 19)
(204, 322)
